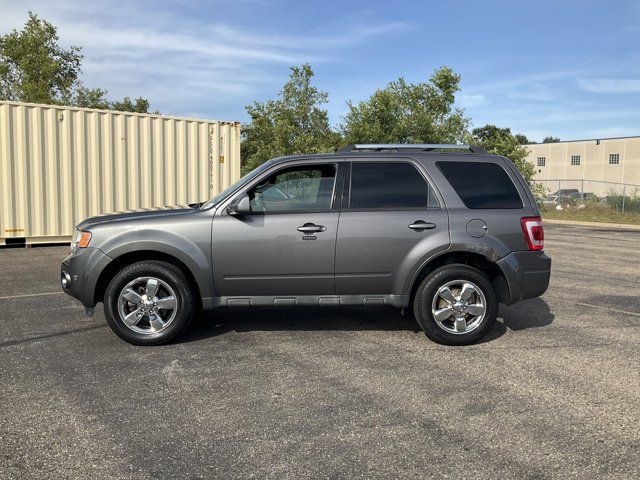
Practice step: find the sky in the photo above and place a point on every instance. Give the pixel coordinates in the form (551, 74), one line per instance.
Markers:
(565, 68)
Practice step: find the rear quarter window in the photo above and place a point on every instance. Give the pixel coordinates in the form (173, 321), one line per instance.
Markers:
(481, 184)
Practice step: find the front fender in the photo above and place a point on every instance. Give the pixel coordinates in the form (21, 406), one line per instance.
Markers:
(193, 250)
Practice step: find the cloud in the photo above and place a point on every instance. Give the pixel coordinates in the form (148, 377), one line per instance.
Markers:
(223, 41)
(466, 100)
(615, 131)
(98, 38)
(523, 82)
(356, 35)
(183, 58)
(610, 85)
(536, 92)
(592, 114)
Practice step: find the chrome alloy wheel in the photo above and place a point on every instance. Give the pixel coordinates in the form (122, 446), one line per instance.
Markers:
(459, 306)
(147, 305)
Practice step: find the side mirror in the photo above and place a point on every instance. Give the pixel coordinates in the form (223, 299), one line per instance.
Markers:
(240, 206)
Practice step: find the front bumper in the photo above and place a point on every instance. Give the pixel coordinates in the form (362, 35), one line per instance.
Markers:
(79, 274)
(526, 273)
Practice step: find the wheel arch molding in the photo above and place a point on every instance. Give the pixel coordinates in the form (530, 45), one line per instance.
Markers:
(191, 260)
(471, 259)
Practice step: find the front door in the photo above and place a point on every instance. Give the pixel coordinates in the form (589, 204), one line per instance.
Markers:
(286, 245)
(391, 220)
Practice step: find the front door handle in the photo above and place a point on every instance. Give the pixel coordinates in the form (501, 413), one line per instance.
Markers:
(422, 225)
(311, 228)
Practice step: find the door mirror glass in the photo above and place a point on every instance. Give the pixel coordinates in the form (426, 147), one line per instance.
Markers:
(241, 206)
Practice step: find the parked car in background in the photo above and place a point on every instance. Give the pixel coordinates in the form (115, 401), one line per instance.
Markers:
(585, 197)
(552, 201)
(446, 230)
(566, 191)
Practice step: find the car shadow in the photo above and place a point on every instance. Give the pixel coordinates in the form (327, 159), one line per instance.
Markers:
(534, 313)
(528, 314)
(298, 318)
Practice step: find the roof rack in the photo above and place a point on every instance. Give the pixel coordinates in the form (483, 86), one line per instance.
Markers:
(425, 147)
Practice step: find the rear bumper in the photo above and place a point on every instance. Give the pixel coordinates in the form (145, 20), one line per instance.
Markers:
(526, 274)
(80, 271)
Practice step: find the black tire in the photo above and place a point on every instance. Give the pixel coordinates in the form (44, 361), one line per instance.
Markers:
(174, 277)
(422, 304)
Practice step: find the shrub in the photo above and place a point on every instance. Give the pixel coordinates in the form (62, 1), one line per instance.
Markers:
(627, 203)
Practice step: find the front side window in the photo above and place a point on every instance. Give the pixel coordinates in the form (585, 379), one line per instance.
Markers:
(391, 185)
(243, 181)
(542, 161)
(614, 159)
(300, 188)
(575, 159)
(481, 185)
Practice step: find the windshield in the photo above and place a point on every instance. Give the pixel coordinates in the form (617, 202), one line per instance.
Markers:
(227, 191)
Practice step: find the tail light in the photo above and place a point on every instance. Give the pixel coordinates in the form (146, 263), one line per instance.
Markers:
(533, 232)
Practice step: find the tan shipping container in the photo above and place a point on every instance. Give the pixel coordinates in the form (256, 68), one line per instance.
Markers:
(59, 165)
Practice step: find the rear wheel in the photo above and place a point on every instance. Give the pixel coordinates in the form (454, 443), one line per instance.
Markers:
(455, 305)
(149, 303)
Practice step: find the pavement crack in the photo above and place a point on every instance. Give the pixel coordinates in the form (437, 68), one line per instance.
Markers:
(28, 295)
(20, 341)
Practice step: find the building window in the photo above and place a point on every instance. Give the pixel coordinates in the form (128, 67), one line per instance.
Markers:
(575, 159)
(542, 161)
(614, 159)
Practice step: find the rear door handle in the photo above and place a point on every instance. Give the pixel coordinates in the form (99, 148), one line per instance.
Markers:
(311, 228)
(422, 225)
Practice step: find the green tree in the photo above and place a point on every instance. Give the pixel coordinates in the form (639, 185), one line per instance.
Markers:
(409, 113)
(35, 68)
(291, 124)
(501, 141)
(551, 140)
(489, 134)
(96, 98)
(90, 98)
(139, 105)
(522, 139)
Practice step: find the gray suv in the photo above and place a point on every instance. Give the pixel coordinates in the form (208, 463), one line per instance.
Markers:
(447, 230)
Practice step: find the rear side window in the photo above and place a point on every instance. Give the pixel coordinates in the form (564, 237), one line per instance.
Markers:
(481, 185)
(389, 185)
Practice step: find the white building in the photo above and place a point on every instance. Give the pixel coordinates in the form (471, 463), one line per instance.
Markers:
(597, 166)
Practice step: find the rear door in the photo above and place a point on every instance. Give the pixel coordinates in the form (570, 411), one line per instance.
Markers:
(391, 219)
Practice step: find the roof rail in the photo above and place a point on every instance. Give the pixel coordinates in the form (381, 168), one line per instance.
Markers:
(377, 147)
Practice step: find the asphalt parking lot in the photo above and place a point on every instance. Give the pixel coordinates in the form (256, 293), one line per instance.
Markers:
(553, 392)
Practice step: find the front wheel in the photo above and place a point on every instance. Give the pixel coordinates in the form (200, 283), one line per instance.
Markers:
(149, 303)
(455, 305)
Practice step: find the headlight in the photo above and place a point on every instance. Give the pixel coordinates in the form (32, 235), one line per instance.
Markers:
(80, 240)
